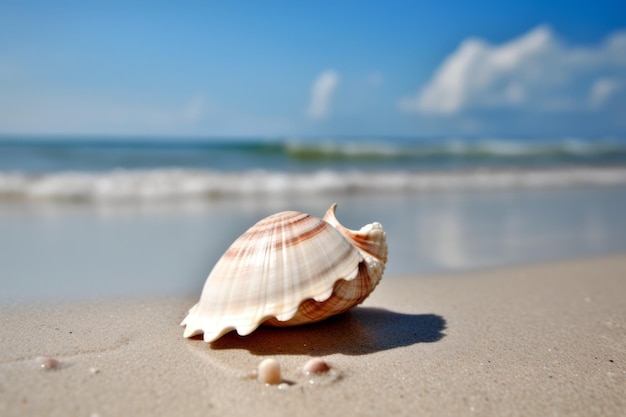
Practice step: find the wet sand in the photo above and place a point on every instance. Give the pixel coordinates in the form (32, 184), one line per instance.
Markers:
(537, 340)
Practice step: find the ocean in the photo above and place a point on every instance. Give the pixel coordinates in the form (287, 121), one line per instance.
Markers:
(84, 218)
(134, 169)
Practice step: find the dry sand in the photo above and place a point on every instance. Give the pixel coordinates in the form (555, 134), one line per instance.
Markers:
(523, 341)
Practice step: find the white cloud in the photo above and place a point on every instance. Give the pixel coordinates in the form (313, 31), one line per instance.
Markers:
(534, 71)
(602, 90)
(321, 94)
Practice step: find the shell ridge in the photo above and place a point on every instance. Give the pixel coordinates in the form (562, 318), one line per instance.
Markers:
(326, 293)
(264, 276)
(279, 262)
(222, 294)
(342, 290)
(322, 294)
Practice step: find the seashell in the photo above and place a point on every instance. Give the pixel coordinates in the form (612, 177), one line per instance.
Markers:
(47, 363)
(316, 366)
(288, 269)
(269, 372)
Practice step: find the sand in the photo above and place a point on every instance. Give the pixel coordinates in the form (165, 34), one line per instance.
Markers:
(537, 340)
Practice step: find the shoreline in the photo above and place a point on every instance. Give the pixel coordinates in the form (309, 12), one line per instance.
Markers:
(524, 340)
(88, 251)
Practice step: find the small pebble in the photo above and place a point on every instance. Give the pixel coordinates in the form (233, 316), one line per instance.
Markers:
(94, 371)
(316, 366)
(269, 371)
(46, 363)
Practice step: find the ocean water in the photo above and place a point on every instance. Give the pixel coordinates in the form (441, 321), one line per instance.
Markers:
(91, 169)
(84, 218)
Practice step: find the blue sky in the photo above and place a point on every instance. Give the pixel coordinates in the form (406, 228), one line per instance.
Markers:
(305, 68)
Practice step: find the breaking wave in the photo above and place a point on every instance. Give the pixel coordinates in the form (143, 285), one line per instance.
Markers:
(170, 184)
(483, 149)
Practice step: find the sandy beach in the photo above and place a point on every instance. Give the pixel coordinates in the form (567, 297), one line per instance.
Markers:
(537, 340)
(476, 155)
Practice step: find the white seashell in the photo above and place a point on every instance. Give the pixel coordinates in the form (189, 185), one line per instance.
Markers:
(269, 372)
(316, 366)
(289, 269)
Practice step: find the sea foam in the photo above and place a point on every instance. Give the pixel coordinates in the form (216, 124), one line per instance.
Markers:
(196, 183)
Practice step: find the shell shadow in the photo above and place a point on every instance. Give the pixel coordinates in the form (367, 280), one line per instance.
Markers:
(361, 331)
